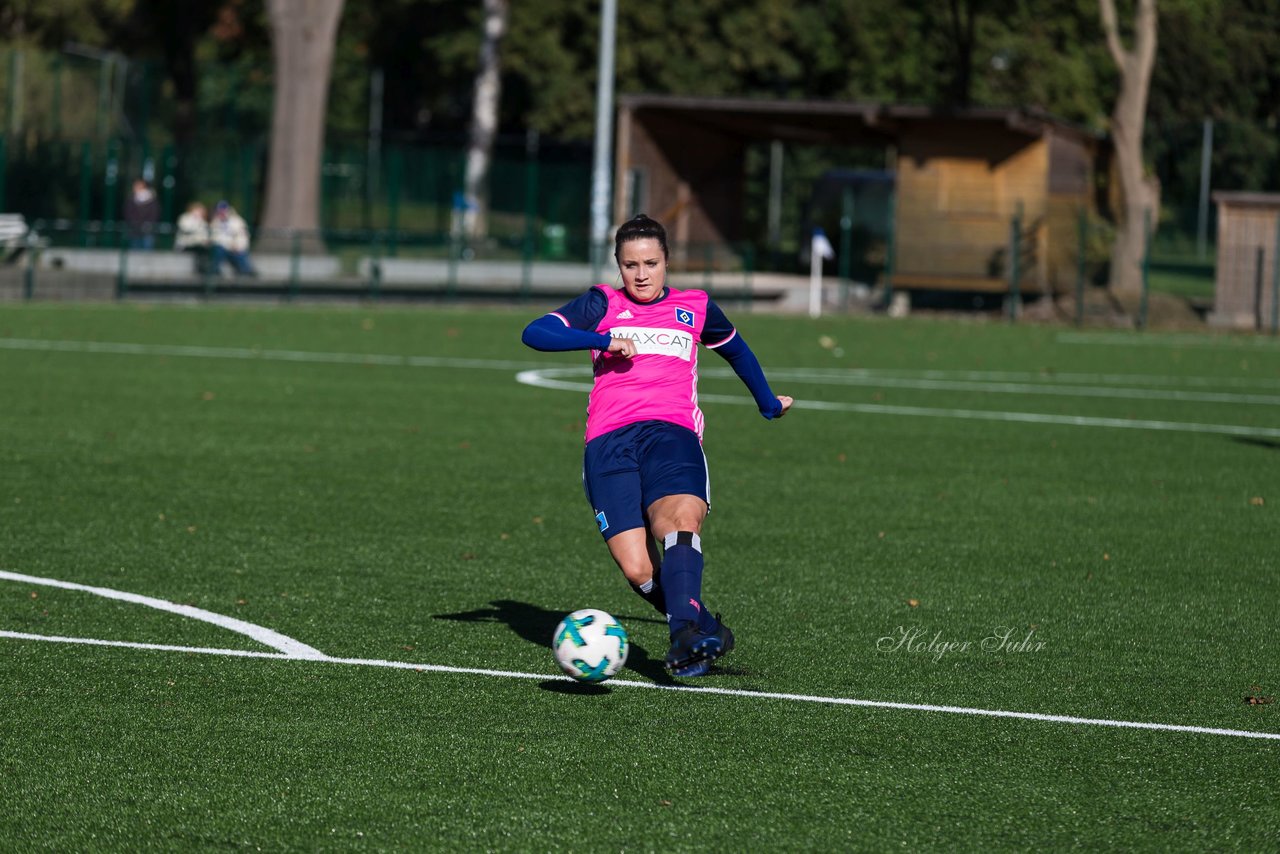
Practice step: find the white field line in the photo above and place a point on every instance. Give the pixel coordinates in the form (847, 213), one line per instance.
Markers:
(1137, 339)
(981, 381)
(688, 689)
(875, 380)
(1043, 377)
(546, 378)
(539, 375)
(264, 636)
(251, 353)
(856, 376)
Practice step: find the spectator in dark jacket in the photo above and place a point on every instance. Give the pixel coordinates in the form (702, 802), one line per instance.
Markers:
(141, 213)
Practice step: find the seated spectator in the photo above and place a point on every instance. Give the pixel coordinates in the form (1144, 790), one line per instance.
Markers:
(229, 235)
(192, 235)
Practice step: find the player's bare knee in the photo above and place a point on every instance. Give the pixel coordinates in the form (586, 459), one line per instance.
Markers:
(632, 557)
(688, 520)
(637, 572)
(682, 515)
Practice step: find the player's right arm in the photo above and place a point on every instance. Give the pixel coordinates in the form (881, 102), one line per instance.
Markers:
(573, 327)
(729, 344)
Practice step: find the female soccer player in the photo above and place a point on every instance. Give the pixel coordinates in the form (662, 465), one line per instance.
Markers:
(644, 470)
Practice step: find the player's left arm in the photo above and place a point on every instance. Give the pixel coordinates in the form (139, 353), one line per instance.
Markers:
(720, 335)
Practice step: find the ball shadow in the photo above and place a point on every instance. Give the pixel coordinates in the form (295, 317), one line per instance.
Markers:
(536, 625)
(577, 689)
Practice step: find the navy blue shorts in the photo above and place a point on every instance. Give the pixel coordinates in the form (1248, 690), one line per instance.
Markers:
(626, 470)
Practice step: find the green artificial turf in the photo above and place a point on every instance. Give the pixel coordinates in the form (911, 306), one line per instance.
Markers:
(1183, 277)
(262, 464)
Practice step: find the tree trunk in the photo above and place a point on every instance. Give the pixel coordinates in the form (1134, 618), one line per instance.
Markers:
(963, 16)
(178, 27)
(302, 42)
(1140, 194)
(484, 121)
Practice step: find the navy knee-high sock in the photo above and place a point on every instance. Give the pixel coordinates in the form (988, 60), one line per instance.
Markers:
(682, 582)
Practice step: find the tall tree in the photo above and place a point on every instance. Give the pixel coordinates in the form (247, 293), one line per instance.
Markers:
(484, 120)
(1140, 193)
(963, 21)
(176, 26)
(302, 39)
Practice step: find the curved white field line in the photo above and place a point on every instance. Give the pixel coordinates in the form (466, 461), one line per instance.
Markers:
(547, 378)
(691, 689)
(286, 645)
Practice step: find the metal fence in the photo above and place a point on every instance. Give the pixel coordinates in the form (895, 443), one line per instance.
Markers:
(94, 259)
(410, 187)
(67, 259)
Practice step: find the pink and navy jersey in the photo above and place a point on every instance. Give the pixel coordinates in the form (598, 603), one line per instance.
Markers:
(660, 383)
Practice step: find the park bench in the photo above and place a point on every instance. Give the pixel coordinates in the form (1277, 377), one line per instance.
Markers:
(166, 266)
(16, 236)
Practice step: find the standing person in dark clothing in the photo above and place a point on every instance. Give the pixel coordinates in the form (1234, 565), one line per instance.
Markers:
(141, 213)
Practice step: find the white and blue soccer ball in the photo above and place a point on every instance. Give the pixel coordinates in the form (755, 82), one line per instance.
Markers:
(590, 645)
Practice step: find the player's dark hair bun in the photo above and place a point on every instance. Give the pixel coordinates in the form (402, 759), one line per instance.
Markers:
(640, 227)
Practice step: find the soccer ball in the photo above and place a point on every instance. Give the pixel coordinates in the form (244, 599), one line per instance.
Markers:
(590, 645)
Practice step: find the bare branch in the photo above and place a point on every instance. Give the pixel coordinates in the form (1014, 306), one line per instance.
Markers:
(1112, 30)
(1144, 47)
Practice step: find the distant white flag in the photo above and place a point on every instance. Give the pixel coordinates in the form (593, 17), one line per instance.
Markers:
(821, 246)
(819, 249)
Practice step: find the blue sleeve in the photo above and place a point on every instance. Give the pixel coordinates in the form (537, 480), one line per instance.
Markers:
(745, 364)
(549, 334)
(570, 327)
(585, 311)
(717, 329)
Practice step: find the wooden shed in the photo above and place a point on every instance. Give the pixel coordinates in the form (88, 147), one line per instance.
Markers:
(962, 176)
(1246, 280)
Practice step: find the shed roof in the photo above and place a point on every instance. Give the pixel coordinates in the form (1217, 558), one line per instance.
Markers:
(820, 121)
(1247, 199)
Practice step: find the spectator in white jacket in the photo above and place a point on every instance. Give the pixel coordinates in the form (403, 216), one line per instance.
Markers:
(193, 229)
(229, 236)
(192, 236)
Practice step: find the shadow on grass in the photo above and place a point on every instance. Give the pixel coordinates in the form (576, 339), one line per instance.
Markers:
(536, 625)
(576, 689)
(1269, 444)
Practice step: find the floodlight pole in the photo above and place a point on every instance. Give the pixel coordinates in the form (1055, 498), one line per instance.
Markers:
(601, 178)
(1202, 212)
(108, 59)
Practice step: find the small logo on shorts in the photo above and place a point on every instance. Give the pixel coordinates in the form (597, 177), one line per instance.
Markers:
(683, 315)
(602, 521)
